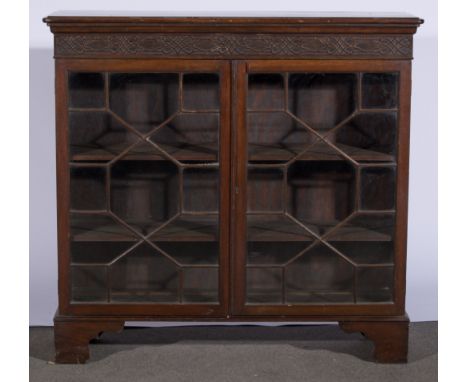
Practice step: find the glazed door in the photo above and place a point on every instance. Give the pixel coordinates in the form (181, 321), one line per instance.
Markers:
(143, 201)
(317, 173)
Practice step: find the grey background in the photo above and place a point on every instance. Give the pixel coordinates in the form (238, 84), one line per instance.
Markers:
(422, 229)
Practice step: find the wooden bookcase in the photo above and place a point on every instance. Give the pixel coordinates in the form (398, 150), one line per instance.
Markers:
(232, 168)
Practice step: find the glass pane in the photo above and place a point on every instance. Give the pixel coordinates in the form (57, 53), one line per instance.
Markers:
(88, 188)
(265, 189)
(90, 227)
(321, 188)
(189, 228)
(201, 190)
(321, 194)
(97, 136)
(264, 285)
(274, 253)
(191, 252)
(144, 274)
(97, 252)
(378, 188)
(276, 137)
(86, 90)
(200, 285)
(190, 138)
(321, 100)
(367, 240)
(89, 284)
(365, 227)
(144, 187)
(366, 252)
(201, 91)
(319, 276)
(144, 193)
(144, 100)
(266, 91)
(275, 227)
(375, 284)
(368, 137)
(379, 90)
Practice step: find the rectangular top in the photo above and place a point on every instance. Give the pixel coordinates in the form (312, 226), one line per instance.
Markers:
(291, 22)
(255, 14)
(305, 35)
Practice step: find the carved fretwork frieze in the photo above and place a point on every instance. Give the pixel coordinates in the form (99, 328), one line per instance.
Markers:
(232, 45)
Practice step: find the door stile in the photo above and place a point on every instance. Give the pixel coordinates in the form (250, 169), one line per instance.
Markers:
(225, 186)
(240, 183)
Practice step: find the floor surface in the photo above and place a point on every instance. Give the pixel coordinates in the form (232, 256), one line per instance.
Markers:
(236, 354)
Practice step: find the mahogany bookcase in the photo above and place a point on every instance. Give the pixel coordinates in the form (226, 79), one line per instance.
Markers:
(232, 169)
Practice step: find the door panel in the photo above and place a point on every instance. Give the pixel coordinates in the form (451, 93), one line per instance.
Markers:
(149, 186)
(316, 172)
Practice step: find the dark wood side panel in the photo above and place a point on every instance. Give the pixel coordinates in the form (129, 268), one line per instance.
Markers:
(402, 186)
(63, 183)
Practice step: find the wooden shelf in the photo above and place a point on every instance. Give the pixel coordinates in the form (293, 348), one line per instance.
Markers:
(207, 152)
(189, 228)
(274, 227)
(84, 229)
(279, 228)
(204, 228)
(184, 228)
(264, 297)
(318, 152)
